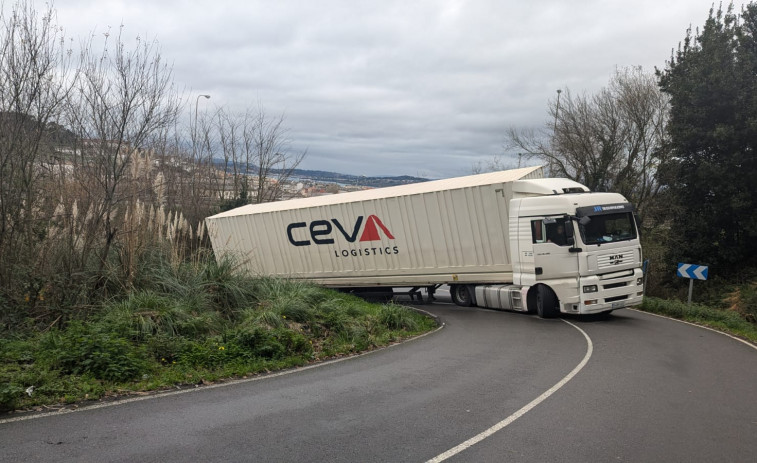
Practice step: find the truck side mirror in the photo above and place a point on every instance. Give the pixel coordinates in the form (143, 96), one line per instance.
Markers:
(569, 229)
(569, 233)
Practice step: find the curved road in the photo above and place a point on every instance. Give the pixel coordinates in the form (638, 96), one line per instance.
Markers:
(632, 388)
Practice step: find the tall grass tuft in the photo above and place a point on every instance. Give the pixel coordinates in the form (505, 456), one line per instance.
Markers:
(397, 317)
(145, 314)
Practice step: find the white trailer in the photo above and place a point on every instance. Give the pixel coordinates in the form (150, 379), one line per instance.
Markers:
(495, 238)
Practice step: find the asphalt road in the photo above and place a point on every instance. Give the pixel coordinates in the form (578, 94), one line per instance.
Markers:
(632, 388)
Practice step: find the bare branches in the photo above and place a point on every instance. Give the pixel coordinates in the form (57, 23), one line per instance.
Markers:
(34, 81)
(95, 167)
(612, 140)
(122, 97)
(255, 152)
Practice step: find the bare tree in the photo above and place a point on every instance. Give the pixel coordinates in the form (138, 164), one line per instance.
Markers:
(229, 128)
(266, 139)
(35, 78)
(122, 97)
(612, 140)
(255, 154)
(492, 165)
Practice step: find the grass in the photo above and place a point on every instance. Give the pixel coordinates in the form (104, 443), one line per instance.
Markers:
(196, 323)
(728, 321)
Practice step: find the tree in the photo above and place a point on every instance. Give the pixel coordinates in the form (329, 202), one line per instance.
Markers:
(35, 80)
(713, 129)
(494, 164)
(613, 140)
(122, 97)
(255, 151)
(266, 139)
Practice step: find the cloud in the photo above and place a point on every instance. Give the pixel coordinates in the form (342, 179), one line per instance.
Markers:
(396, 87)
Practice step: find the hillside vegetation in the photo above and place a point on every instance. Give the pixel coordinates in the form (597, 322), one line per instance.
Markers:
(192, 323)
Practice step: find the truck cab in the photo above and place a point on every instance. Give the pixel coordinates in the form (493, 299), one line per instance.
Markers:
(573, 251)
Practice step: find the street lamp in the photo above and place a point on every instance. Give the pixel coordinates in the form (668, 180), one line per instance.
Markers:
(557, 109)
(197, 102)
(194, 127)
(554, 132)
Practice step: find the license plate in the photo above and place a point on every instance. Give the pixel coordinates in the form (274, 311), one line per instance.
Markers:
(618, 305)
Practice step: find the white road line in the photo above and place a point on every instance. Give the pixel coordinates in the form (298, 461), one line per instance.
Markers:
(531, 405)
(698, 326)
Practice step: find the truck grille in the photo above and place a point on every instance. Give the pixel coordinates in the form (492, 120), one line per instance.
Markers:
(610, 261)
(615, 285)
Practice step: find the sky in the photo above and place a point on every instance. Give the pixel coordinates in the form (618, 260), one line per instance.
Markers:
(422, 88)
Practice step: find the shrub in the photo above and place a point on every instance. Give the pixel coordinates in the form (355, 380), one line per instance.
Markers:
(166, 349)
(292, 308)
(250, 318)
(210, 353)
(272, 344)
(9, 394)
(82, 350)
(397, 317)
(228, 287)
(144, 314)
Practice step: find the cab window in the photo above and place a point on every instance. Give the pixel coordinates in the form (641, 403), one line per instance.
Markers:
(537, 231)
(549, 231)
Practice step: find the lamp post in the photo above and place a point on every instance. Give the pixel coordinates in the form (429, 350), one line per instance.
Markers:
(557, 110)
(194, 127)
(554, 131)
(197, 102)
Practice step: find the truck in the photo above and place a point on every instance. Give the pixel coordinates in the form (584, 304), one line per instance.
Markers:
(510, 240)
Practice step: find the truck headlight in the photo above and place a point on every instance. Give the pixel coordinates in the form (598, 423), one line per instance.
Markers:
(590, 289)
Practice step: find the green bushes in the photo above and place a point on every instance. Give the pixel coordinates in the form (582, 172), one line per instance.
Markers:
(84, 350)
(198, 321)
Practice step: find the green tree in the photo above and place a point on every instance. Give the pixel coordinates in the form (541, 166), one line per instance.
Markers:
(710, 180)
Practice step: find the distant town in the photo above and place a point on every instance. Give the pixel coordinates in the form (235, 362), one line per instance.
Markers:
(316, 182)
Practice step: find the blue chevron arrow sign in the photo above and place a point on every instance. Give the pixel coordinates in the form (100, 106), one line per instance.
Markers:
(695, 272)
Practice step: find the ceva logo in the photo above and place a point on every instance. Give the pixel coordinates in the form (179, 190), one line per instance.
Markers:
(320, 231)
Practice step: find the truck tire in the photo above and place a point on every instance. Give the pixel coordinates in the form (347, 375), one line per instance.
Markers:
(462, 295)
(546, 302)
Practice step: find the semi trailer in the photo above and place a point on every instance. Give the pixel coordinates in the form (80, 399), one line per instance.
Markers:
(508, 240)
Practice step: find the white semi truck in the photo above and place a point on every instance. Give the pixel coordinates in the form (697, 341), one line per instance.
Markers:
(506, 240)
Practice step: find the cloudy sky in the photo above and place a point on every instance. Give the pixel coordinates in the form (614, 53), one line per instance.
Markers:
(388, 87)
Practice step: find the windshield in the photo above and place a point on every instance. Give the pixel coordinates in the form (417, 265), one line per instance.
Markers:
(609, 228)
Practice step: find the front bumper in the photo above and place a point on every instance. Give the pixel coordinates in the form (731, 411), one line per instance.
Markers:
(613, 291)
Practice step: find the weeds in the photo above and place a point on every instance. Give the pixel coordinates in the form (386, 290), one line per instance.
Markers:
(197, 321)
(724, 320)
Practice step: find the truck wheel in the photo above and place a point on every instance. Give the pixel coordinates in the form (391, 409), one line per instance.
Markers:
(461, 295)
(546, 302)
